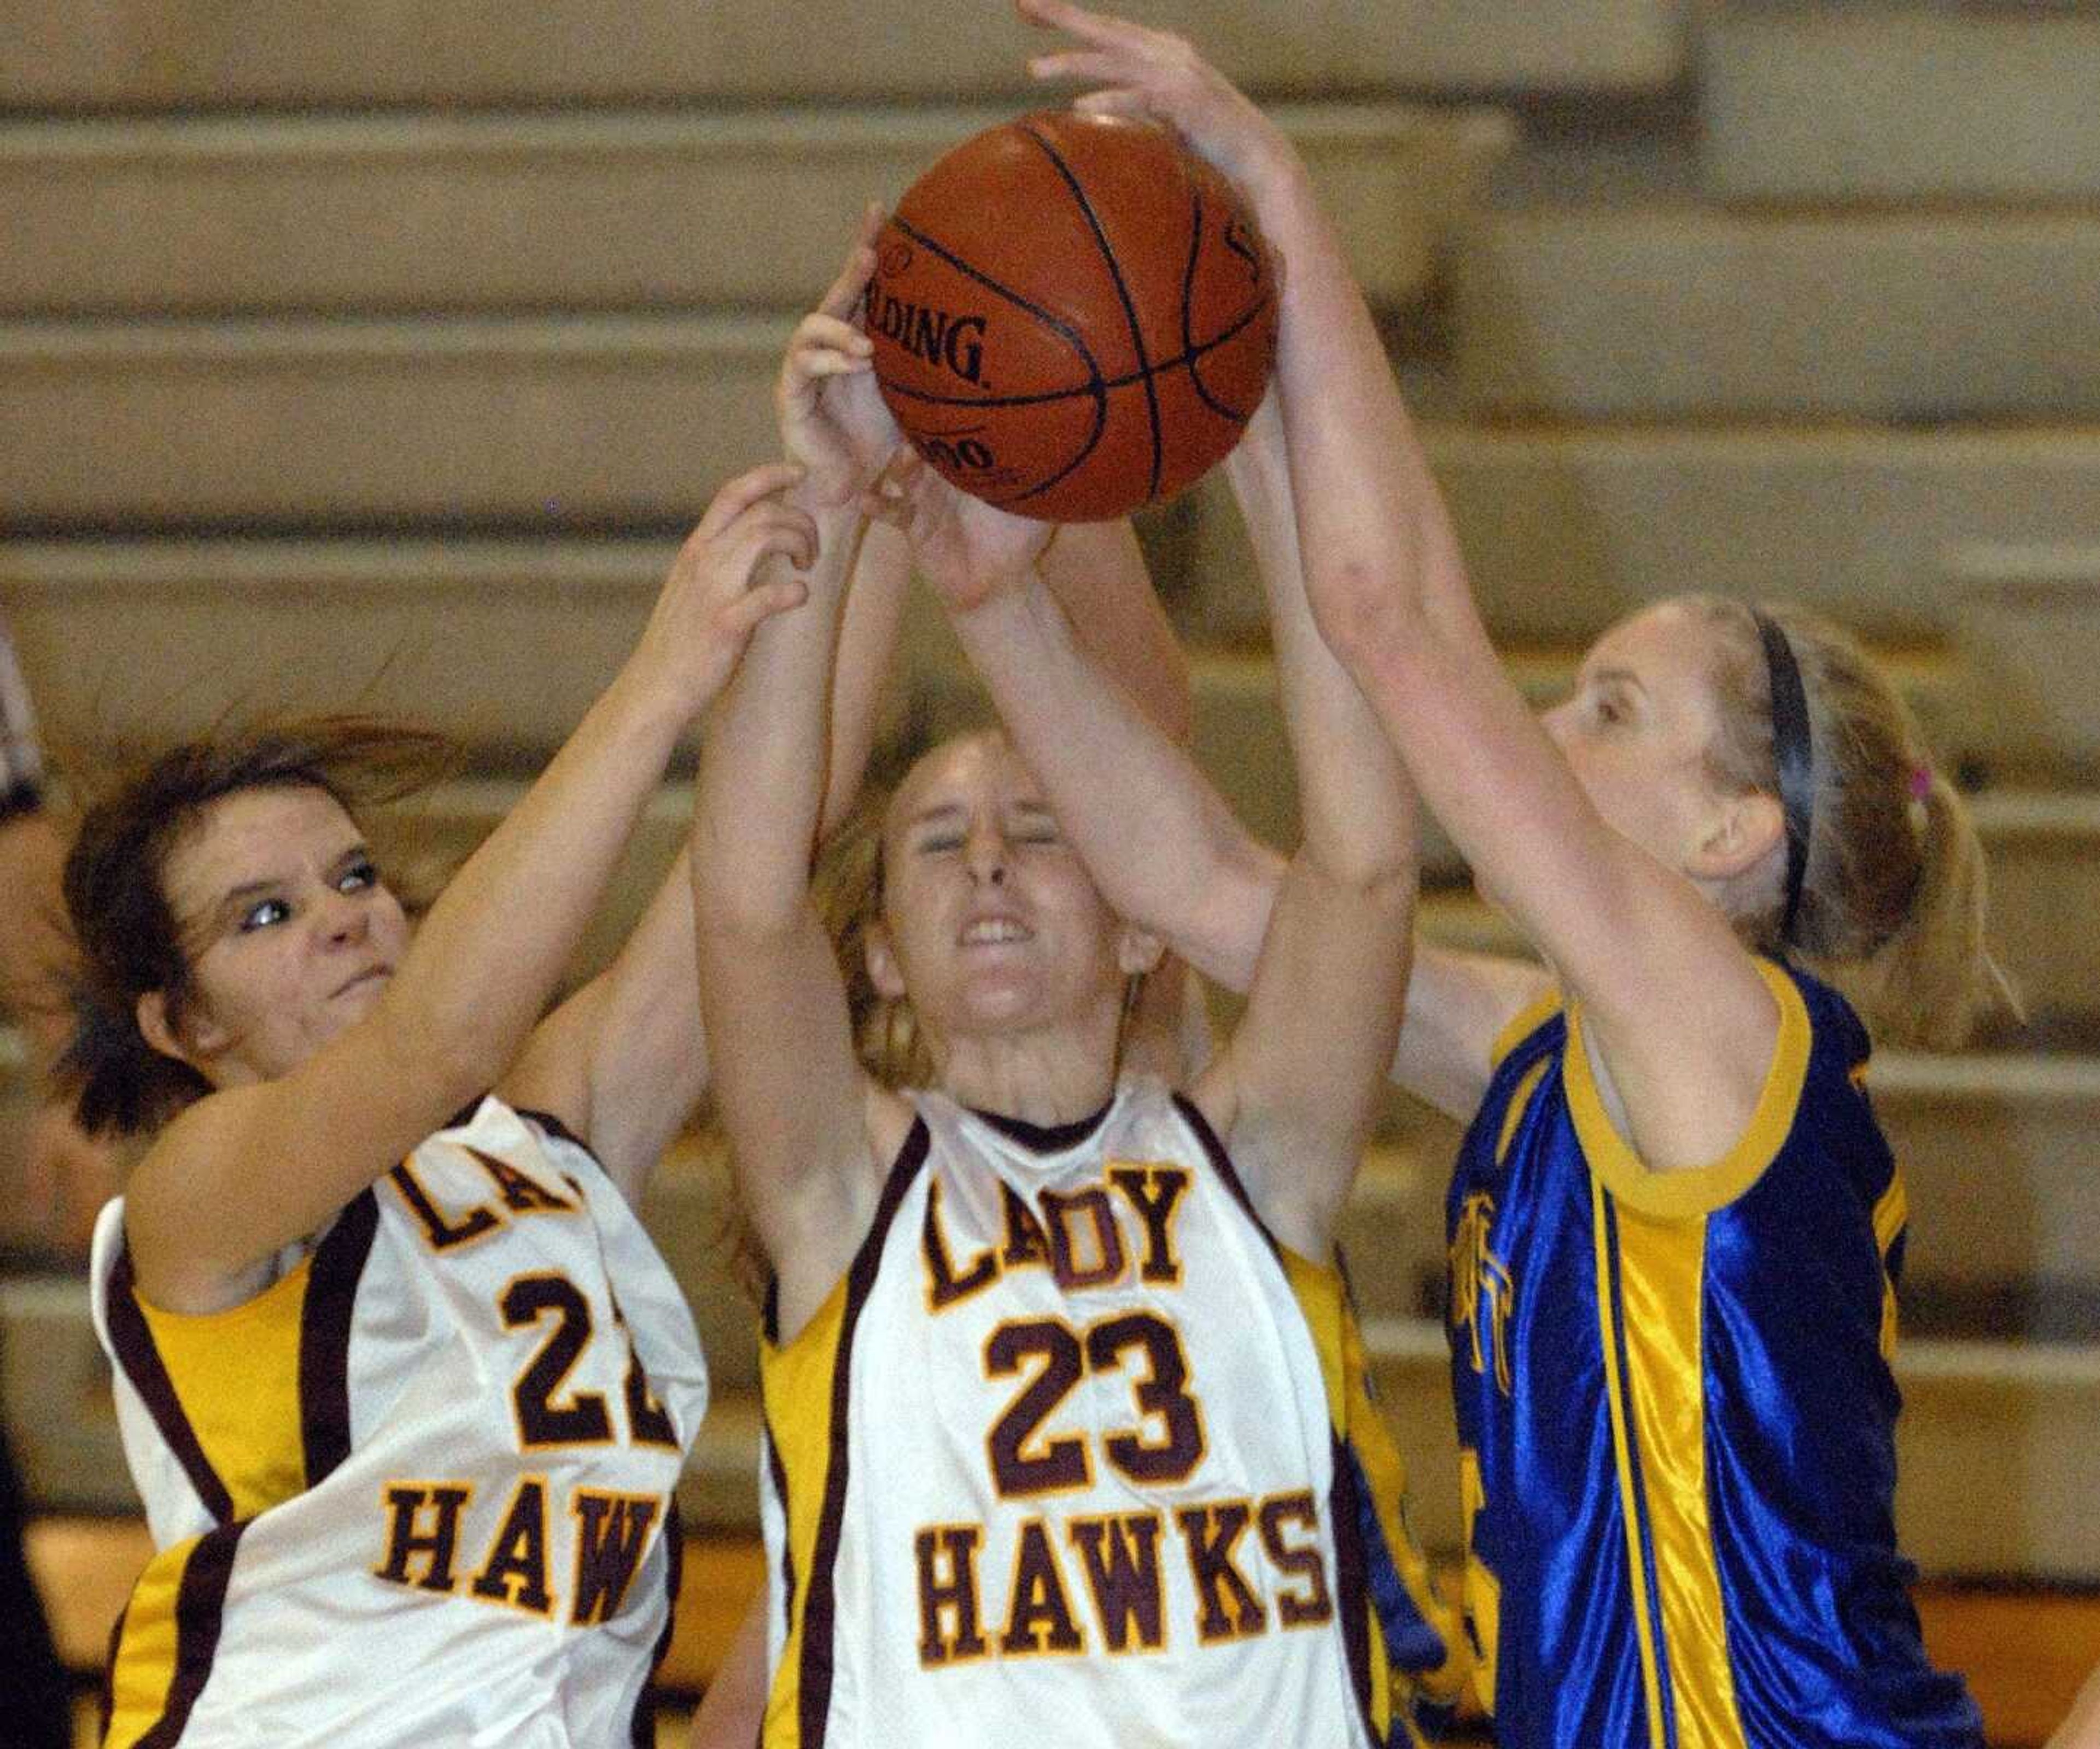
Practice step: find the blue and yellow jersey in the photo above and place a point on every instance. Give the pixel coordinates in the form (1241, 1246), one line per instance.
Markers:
(1676, 1413)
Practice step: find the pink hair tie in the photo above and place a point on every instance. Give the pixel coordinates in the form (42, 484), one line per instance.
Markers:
(1921, 782)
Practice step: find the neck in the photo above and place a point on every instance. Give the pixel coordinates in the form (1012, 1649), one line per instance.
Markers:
(1045, 1079)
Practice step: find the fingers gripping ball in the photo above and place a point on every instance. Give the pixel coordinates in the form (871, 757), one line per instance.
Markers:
(1072, 316)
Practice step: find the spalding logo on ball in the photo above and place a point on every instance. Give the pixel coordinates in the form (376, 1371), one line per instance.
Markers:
(1072, 316)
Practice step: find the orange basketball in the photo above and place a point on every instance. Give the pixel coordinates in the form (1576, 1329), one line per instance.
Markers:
(1072, 316)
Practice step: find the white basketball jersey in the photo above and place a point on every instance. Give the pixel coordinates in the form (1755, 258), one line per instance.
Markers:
(1058, 1459)
(419, 1490)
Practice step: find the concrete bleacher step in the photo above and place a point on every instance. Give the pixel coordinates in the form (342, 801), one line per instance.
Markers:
(505, 641)
(1663, 309)
(438, 210)
(503, 644)
(550, 420)
(152, 54)
(1565, 527)
(1907, 101)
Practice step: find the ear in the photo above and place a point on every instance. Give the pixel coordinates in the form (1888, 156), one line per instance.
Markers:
(158, 1030)
(1138, 950)
(1741, 833)
(880, 959)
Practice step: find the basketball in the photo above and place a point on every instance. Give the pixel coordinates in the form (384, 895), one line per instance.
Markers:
(1072, 316)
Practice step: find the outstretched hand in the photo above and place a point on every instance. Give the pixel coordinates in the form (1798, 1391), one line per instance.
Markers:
(967, 549)
(714, 599)
(1156, 76)
(832, 419)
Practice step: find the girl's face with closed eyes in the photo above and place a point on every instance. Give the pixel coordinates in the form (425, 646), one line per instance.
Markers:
(991, 922)
(289, 932)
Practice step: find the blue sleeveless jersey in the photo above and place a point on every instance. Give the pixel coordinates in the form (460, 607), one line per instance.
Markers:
(1676, 1417)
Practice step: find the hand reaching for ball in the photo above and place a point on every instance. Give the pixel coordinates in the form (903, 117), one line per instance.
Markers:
(1156, 75)
(833, 422)
(968, 550)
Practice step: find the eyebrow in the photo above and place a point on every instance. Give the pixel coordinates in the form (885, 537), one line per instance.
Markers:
(1623, 676)
(941, 813)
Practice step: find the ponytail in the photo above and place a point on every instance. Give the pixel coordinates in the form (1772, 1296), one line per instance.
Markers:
(1892, 896)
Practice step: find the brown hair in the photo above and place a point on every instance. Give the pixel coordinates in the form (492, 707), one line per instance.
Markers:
(131, 941)
(1892, 899)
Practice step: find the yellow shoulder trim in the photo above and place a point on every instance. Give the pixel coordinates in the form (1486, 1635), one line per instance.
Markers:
(1526, 1021)
(1700, 1189)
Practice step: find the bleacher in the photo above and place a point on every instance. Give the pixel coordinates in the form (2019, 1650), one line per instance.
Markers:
(379, 354)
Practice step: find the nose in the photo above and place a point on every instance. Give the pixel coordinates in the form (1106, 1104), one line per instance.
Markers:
(345, 919)
(1553, 720)
(986, 856)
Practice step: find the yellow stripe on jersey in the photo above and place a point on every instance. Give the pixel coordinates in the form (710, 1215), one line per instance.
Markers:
(142, 1674)
(1622, 1455)
(1686, 1194)
(167, 1639)
(1891, 1215)
(1321, 1300)
(1526, 1021)
(1322, 1297)
(235, 1374)
(1520, 1102)
(797, 1381)
(1660, 1295)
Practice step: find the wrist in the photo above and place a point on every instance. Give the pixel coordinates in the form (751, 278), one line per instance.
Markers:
(644, 706)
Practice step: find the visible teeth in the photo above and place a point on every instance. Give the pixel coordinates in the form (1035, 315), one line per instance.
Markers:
(992, 929)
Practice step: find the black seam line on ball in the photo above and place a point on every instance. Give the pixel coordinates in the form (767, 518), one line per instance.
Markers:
(1123, 293)
(1094, 385)
(1071, 335)
(1189, 351)
(1099, 388)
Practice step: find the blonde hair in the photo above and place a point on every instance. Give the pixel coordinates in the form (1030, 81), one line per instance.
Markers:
(847, 890)
(1893, 896)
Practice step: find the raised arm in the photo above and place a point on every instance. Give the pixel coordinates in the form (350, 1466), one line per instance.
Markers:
(623, 1061)
(1683, 1019)
(249, 1168)
(1293, 1091)
(804, 1125)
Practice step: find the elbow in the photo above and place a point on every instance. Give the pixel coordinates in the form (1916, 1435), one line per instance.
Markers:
(1365, 612)
(1381, 886)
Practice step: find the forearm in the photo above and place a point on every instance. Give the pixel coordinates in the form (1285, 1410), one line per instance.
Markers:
(1370, 515)
(873, 612)
(1193, 876)
(466, 987)
(1097, 571)
(760, 795)
(1357, 804)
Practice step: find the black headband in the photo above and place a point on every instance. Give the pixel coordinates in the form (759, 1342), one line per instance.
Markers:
(1793, 752)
